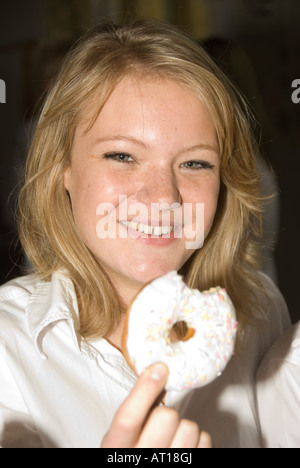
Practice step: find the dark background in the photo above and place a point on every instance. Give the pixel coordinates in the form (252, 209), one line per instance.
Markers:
(264, 61)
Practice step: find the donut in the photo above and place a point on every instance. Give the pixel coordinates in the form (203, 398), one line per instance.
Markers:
(192, 332)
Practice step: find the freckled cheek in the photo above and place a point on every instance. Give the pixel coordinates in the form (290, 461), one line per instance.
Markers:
(208, 198)
(86, 197)
(210, 207)
(84, 211)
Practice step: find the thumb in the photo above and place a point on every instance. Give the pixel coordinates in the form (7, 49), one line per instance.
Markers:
(132, 414)
(148, 388)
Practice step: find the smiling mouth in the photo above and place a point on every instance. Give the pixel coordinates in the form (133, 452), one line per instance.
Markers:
(148, 229)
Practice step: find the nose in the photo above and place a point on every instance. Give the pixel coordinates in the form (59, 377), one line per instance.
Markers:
(158, 185)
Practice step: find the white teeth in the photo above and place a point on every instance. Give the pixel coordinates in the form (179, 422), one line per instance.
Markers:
(149, 230)
(134, 226)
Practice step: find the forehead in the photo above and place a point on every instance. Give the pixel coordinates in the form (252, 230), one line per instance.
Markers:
(139, 101)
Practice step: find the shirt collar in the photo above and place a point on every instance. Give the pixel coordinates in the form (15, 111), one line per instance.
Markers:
(50, 302)
(56, 300)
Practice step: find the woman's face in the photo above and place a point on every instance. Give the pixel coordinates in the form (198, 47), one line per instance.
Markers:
(140, 177)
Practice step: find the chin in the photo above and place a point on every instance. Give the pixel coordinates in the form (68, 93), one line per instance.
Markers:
(145, 274)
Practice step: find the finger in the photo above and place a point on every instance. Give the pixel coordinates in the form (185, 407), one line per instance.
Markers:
(132, 414)
(205, 440)
(159, 429)
(187, 435)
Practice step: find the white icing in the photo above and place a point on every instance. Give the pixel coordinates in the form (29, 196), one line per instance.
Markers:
(192, 363)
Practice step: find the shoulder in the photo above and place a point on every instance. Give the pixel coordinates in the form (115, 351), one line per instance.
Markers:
(29, 305)
(16, 293)
(285, 349)
(281, 364)
(278, 384)
(18, 287)
(17, 298)
(273, 319)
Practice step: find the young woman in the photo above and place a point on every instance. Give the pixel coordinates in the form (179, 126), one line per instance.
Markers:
(139, 116)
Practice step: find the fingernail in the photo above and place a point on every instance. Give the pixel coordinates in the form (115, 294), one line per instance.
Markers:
(158, 371)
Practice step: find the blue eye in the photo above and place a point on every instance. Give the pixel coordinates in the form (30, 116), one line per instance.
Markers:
(120, 157)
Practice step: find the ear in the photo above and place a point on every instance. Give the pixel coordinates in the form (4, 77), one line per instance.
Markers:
(67, 178)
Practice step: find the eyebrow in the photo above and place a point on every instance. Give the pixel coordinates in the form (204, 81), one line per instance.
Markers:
(201, 146)
(127, 139)
(136, 141)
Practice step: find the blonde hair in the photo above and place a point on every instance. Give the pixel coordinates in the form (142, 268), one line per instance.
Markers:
(47, 229)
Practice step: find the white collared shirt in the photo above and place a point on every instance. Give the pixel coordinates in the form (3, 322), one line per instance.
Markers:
(278, 392)
(59, 390)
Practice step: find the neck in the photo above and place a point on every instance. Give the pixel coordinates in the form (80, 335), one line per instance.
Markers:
(126, 291)
(115, 337)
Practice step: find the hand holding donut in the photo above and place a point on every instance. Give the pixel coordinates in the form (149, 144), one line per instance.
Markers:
(140, 424)
(193, 333)
(174, 338)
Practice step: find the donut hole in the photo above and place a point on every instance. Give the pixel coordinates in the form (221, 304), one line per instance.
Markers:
(181, 332)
